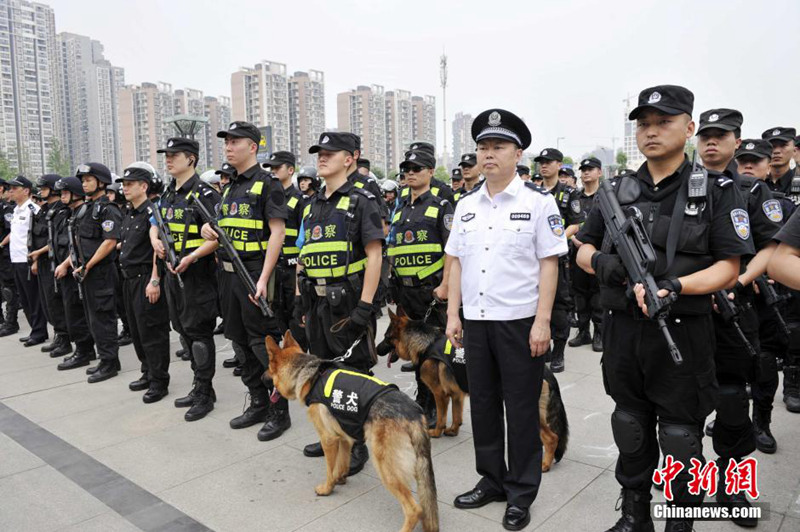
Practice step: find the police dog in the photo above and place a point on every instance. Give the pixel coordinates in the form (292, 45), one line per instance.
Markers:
(394, 431)
(411, 340)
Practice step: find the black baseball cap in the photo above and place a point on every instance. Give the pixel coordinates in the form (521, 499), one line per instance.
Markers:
(456, 175)
(523, 170)
(668, 99)
(566, 171)
(21, 181)
(501, 124)
(786, 134)
(537, 177)
(334, 141)
(549, 154)
(756, 147)
(180, 144)
(226, 169)
(468, 159)
(590, 162)
(281, 157)
(363, 163)
(98, 170)
(724, 119)
(418, 158)
(241, 129)
(423, 146)
(136, 174)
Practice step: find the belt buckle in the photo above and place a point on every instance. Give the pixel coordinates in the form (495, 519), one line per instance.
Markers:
(321, 282)
(320, 290)
(228, 267)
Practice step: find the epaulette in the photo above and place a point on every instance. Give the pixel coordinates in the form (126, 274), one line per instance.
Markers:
(723, 182)
(469, 192)
(366, 193)
(537, 188)
(444, 202)
(208, 192)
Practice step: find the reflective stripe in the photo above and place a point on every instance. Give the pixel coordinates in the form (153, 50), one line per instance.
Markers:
(291, 232)
(257, 187)
(306, 210)
(396, 217)
(404, 193)
(359, 184)
(344, 203)
(178, 228)
(329, 383)
(458, 195)
(241, 223)
(448, 347)
(238, 245)
(435, 191)
(419, 271)
(291, 203)
(332, 273)
(291, 250)
(322, 247)
(190, 244)
(413, 248)
(432, 212)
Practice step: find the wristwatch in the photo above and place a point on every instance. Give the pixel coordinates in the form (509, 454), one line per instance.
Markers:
(155, 282)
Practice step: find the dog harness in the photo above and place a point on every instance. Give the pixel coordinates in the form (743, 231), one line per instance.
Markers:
(348, 395)
(443, 351)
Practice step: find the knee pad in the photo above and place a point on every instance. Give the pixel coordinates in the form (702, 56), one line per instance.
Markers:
(201, 354)
(733, 406)
(629, 431)
(683, 442)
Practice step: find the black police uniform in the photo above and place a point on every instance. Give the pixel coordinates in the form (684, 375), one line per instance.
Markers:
(193, 308)
(95, 222)
(253, 198)
(148, 322)
(286, 269)
(638, 372)
(7, 283)
(585, 287)
(51, 301)
(790, 234)
(124, 337)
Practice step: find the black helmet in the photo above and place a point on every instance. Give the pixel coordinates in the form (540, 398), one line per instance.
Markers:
(309, 172)
(98, 170)
(48, 180)
(116, 188)
(70, 184)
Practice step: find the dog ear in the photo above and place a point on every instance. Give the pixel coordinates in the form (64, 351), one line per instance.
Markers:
(400, 312)
(288, 340)
(272, 347)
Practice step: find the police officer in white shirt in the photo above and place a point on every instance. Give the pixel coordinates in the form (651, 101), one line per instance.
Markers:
(505, 242)
(20, 190)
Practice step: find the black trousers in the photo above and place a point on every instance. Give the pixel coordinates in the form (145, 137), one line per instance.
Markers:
(77, 323)
(774, 344)
(28, 291)
(119, 298)
(562, 305)
(416, 302)
(502, 372)
(52, 302)
(640, 376)
(100, 306)
(8, 284)
(587, 298)
(285, 284)
(193, 313)
(149, 328)
(247, 326)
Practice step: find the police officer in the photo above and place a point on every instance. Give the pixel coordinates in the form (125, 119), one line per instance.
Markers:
(211, 178)
(456, 180)
(567, 176)
(438, 189)
(115, 195)
(569, 205)
(96, 233)
(537, 179)
(193, 307)
(363, 166)
(719, 135)
(471, 172)
(639, 373)
(307, 181)
(340, 266)
(253, 214)
(147, 310)
(524, 172)
(585, 288)
(72, 197)
(783, 149)
(43, 265)
(7, 284)
(389, 190)
(505, 241)
(225, 172)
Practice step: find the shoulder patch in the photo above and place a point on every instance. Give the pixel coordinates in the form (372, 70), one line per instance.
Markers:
(363, 192)
(741, 223)
(723, 182)
(772, 210)
(533, 186)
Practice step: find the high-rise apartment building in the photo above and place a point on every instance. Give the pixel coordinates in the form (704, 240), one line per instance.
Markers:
(306, 113)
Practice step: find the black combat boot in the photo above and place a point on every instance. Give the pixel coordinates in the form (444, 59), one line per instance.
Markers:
(791, 388)
(278, 421)
(230, 362)
(738, 500)
(765, 442)
(557, 358)
(63, 346)
(597, 340)
(427, 402)
(256, 412)
(203, 403)
(106, 369)
(635, 507)
(358, 458)
(11, 325)
(46, 348)
(582, 337)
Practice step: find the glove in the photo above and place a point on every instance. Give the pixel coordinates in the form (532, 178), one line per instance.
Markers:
(361, 316)
(298, 311)
(672, 284)
(609, 269)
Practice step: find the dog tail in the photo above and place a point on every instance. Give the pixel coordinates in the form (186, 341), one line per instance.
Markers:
(426, 483)
(557, 414)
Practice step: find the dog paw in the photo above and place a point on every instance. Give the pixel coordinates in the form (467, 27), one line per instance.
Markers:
(451, 432)
(341, 480)
(545, 467)
(435, 433)
(323, 490)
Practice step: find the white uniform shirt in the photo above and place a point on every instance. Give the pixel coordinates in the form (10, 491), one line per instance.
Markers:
(499, 242)
(20, 223)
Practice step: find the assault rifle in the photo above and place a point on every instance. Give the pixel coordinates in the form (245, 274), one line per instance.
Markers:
(772, 299)
(74, 255)
(729, 311)
(167, 240)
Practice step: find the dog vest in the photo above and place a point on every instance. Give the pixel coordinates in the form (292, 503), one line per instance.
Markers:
(443, 351)
(348, 395)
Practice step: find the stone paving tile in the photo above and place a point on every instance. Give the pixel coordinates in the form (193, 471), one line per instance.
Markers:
(15, 458)
(108, 522)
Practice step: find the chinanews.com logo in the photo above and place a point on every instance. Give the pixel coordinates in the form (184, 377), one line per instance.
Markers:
(738, 478)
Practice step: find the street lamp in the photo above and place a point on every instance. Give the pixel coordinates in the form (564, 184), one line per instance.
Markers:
(187, 126)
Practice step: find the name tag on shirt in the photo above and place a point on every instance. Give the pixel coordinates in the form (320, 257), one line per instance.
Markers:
(520, 216)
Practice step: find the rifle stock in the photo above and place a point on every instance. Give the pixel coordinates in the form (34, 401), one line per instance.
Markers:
(167, 240)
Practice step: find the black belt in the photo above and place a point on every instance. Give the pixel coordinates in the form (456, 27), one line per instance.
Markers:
(250, 265)
(416, 282)
(136, 271)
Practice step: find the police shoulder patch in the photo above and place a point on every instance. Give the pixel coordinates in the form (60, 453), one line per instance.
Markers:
(556, 224)
(772, 209)
(448, 221)
(108, 226)
(741, 223)
(575, 205)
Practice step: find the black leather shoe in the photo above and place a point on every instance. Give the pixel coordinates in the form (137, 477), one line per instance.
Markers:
(765, 441)
(186, 401)
(477, 498)
(581, 338)
(516, 517)
(46, 348)
(180, 352)
(75, 361)
(203, 404)
(408, 367)
(139, 384)
(153, 395)
(24, 339)
(124, 339)
(230, 362)
(105, 371)
(313, 450)
(35, 341)
(61, 350)
(219, 329)
(255, 413)
(9, 328)
(358, 458)
(278, 422)
(710, 429)
(597, 341)
(237, 371)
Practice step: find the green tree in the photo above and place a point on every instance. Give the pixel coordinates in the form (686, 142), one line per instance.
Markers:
(622, 160)
(378, 173)
(6, 172)
(441, 174)
(689, 149)
(568, 160)
(393, 175)
(57, 161)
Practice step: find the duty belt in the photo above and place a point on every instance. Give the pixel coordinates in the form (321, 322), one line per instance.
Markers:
(136, 271)
(320, 283)
(248, 264)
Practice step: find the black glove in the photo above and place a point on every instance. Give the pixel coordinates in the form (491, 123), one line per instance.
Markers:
(609, 269)
(298, 311)
(361, 316)
(672, 284)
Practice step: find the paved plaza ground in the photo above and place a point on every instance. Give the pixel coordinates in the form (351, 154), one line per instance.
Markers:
(81, 457)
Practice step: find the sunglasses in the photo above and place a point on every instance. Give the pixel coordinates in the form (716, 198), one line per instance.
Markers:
(414, 169)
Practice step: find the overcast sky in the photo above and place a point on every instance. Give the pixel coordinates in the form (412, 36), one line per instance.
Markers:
(564, 66)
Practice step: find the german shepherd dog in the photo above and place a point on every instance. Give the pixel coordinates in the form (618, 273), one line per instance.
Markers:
(394, 429)
(411, 339)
